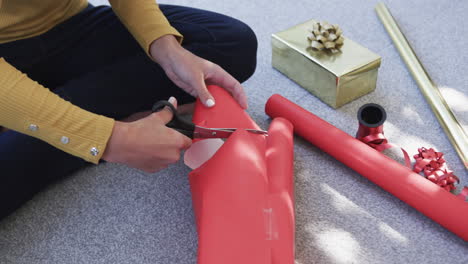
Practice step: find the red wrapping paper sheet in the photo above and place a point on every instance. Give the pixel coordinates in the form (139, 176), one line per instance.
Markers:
(243, 195)
(436, 203)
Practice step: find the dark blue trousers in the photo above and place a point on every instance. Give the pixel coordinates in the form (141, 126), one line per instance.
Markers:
(92, 61)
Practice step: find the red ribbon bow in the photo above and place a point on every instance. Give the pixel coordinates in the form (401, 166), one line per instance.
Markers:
(434, 166)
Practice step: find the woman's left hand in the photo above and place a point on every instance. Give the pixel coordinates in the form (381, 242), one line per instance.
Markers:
(192, 73)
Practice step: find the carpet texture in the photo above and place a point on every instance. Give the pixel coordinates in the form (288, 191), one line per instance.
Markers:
(113, 214)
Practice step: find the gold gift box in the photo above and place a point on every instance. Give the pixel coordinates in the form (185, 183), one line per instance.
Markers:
(335, 78)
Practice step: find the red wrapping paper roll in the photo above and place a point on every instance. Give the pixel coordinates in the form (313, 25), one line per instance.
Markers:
(420, 193)
(243, 195)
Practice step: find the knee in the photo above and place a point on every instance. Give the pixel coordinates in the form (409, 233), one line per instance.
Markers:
(244, 50)
(246, 37)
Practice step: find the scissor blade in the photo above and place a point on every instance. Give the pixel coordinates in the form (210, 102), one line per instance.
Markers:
(204, 132)
(255, 131)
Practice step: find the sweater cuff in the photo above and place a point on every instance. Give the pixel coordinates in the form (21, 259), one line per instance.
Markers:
(31, 109)
(155, 33)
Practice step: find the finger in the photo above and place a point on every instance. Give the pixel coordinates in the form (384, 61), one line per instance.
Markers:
(239, 94)
(221, 78)
(172, 157)
(205, 97)
(186, 142)
(173, 101)
(166, 113)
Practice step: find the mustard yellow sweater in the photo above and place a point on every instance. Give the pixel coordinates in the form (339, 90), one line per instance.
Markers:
(30, 108)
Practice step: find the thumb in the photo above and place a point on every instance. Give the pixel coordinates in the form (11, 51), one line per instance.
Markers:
(187, 142)
(166, 113)
(205, 97)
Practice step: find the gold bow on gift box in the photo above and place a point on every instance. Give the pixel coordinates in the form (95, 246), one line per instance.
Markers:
(325, 36)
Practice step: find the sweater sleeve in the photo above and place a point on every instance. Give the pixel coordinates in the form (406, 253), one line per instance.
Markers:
(29, 108)
(144, 20)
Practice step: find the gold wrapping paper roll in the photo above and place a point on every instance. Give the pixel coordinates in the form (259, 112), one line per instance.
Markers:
(444, 114)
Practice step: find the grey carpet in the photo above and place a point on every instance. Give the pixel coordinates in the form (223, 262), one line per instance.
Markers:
(112, 214)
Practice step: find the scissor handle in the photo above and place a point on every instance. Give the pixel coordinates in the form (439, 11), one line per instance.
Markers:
(178, 123)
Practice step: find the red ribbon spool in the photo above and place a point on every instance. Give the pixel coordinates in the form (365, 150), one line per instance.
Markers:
(371, 118)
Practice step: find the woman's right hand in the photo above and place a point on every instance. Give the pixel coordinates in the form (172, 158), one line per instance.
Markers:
(147, 143)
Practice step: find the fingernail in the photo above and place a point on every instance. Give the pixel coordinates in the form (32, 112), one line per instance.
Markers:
(210, 102)
(172, 100)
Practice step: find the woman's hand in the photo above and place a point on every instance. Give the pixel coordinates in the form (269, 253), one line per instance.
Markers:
(192, 73)
(147, 143)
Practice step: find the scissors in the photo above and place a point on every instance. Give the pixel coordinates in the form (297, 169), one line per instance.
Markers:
(193, 131)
